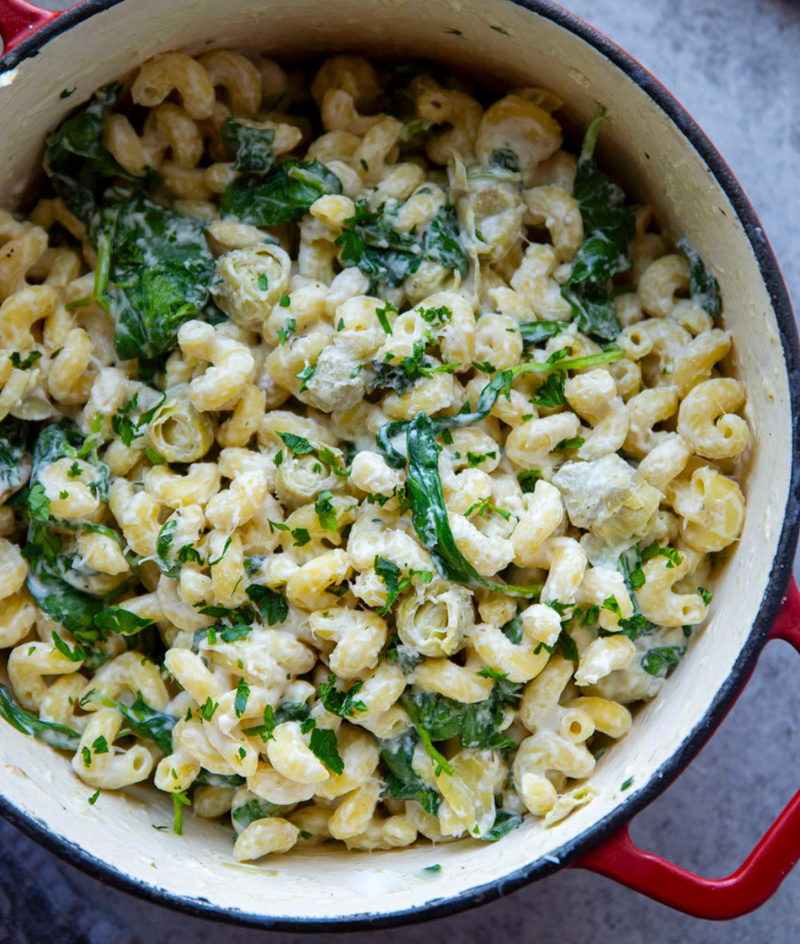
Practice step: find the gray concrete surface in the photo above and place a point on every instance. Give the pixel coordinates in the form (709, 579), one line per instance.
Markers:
(736, 67)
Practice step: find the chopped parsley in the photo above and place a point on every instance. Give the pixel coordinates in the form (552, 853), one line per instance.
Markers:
(394, 581)
(324, 746)
(382, 316)
(271, 604)
(208, 708)
(179, 800)
(325, 511)
(19, 363)
(574, 443)
(287, 329)
(242, 694)
(342, 702)
(305, 375)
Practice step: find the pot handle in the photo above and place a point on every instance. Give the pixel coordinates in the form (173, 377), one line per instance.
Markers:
(19, 20)
(752, 883)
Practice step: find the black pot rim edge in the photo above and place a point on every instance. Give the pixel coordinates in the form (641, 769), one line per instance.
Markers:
(726, 694)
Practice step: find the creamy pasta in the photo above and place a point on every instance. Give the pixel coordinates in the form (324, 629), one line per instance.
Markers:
(364, 452)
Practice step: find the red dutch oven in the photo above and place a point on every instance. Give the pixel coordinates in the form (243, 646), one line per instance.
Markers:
(663, 158)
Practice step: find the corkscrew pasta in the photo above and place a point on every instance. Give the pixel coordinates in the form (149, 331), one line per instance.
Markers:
(364, 452)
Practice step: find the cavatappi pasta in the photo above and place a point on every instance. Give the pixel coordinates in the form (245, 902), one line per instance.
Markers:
(364, 453)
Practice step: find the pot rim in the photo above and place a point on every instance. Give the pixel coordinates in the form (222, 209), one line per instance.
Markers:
(572, 850)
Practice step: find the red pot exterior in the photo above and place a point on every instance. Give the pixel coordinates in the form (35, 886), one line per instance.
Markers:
(18, 20)
(746, 889)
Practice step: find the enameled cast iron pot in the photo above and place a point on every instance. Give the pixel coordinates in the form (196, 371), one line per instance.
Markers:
(663, 158)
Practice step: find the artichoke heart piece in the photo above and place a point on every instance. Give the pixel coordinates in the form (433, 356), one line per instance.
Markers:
(608, 497)
(337, 382)
(249, 282)
(434, 619)
(470, 790)
(177, 431)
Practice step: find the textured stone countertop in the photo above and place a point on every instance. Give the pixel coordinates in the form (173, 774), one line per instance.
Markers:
(735, 64)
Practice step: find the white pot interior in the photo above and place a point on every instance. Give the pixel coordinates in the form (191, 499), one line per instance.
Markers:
(329, 884)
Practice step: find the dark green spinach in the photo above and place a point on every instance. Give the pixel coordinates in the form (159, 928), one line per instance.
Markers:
(704, 286)
(251, 146)
(477, 725)
(76, 157)
(608, 245)
(504, 822)
(13, 439)
(51, 576)
(56, 735)
(402, 782)
(403, 375)
(429, 513)
(146, 722)
(160, 271)
(370, 241)
(283, 195)
(535, 333)
(442, 244)
(253, 810)
(660, 660)
(270, 604)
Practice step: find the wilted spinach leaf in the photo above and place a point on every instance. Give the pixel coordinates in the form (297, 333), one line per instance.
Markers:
(477, 724)
(608, 245)
(76, 157)
(73, 609)
(593, 309)
(442, 244)
(402, 782)
(537, 332)
(56, 735)
(504, 822)
(513, 629)
(705, 287)
(283, 195)
(13, 438)
(251, 145)
(429, 513)
(271, 604)
(255, 809)
(51, 575)
(146, 722)
(370, 241)
(662, 659)
(116, 619)
(608, 223)
(160, 273)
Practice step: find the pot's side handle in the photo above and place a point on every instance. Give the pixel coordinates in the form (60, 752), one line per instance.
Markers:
(19, 19)
(752, 883)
